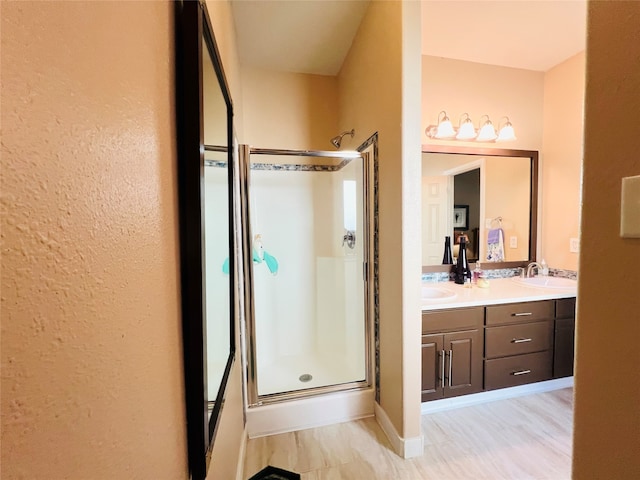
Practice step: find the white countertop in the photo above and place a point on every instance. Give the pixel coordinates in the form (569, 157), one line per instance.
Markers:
(500, 290)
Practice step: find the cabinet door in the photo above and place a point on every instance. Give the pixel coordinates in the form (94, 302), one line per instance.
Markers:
(563, 347)
(463, 369)
(432, 367)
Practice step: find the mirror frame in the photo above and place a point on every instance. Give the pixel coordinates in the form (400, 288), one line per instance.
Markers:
(533, 205)
(193, 33)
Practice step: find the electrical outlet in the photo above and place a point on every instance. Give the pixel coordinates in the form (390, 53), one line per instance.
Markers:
(513, 242)
(574, 245)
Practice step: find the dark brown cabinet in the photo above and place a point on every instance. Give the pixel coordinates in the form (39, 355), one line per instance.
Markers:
(468, 350)
(451, 361)
(518, 344)
(564, 335)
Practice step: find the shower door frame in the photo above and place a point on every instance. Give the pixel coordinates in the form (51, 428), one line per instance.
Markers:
(247, 331)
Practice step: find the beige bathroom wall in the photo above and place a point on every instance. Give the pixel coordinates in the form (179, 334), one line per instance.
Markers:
(507, 195)
(378, 85)
(92, 376)
(562, 160)
(227, 456)
(289, 110)
(458, 86)
(606, 416)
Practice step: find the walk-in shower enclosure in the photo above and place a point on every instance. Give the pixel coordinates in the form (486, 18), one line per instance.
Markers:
(308, 323)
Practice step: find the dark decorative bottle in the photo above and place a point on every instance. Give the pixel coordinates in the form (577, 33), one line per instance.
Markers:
(447, 259)
(462, 271)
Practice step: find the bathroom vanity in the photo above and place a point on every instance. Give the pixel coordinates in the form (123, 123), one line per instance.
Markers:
(481, 339)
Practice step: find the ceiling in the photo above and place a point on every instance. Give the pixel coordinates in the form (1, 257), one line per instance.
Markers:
(314, 36)
(529, 34)
(296, 36)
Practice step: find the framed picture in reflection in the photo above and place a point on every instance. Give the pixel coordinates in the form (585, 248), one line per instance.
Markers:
(461, 217)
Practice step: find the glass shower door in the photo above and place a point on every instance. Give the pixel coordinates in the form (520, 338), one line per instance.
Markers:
(308, 222)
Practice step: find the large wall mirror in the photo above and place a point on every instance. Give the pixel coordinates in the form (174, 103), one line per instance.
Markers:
(479, 193)
(205, 186)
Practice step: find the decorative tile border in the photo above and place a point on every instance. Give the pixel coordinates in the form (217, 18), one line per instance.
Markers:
(436, 277)
(501, 273)
(498, 273)
(215, 163)
(373, 140)
(285, 167)
(558, 272)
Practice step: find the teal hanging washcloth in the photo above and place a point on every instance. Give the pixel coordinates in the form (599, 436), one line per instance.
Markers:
(225, 266)
(260, 255)
(272, 263)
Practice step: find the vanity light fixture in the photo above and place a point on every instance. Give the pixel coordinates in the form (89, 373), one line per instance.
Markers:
(487, 132)
(506, 133)
(466, 130)
(445, 128)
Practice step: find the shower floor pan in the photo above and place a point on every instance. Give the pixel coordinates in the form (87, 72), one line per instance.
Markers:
(292, 373)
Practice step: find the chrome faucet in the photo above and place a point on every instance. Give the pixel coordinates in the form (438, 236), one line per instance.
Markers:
(531, 266)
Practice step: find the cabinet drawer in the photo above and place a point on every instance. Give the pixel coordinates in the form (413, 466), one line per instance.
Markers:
(566, 308)
(520, 312)
(454, 319)
(517, 370)
(518, 339)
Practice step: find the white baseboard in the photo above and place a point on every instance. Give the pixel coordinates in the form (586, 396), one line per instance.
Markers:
(241, 456)
(311, 412)
(493, 395)
(404, 447)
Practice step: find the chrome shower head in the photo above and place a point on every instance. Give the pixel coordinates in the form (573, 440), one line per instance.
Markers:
(337, 140)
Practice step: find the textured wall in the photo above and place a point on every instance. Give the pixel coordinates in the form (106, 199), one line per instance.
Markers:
(458, 86)
(372, 98)
(300, 111)
(561, 169)
(91, 344)
(607, 384)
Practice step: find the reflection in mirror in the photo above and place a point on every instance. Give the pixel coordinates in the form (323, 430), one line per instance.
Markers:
(216, 229)
(486, 195)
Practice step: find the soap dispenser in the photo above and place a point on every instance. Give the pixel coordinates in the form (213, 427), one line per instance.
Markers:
(477, 273)
(544, 269)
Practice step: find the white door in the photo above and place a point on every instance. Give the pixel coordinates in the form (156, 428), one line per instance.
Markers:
(437, 213)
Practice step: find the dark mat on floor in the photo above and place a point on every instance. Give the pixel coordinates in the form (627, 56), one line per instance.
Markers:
(273, 473)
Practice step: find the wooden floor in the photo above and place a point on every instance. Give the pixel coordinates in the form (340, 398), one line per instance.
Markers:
(521, 438)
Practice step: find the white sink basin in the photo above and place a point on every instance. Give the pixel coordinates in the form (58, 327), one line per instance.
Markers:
(437, 293)
(546, 282)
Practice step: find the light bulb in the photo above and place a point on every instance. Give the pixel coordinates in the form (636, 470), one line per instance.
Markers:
(487, 133)
(506, 133)
(466, 131)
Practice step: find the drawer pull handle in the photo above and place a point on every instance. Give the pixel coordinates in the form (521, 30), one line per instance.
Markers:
(450, 363)
(521, 340)
(523, 314)
(520, 372)
(442, 368)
